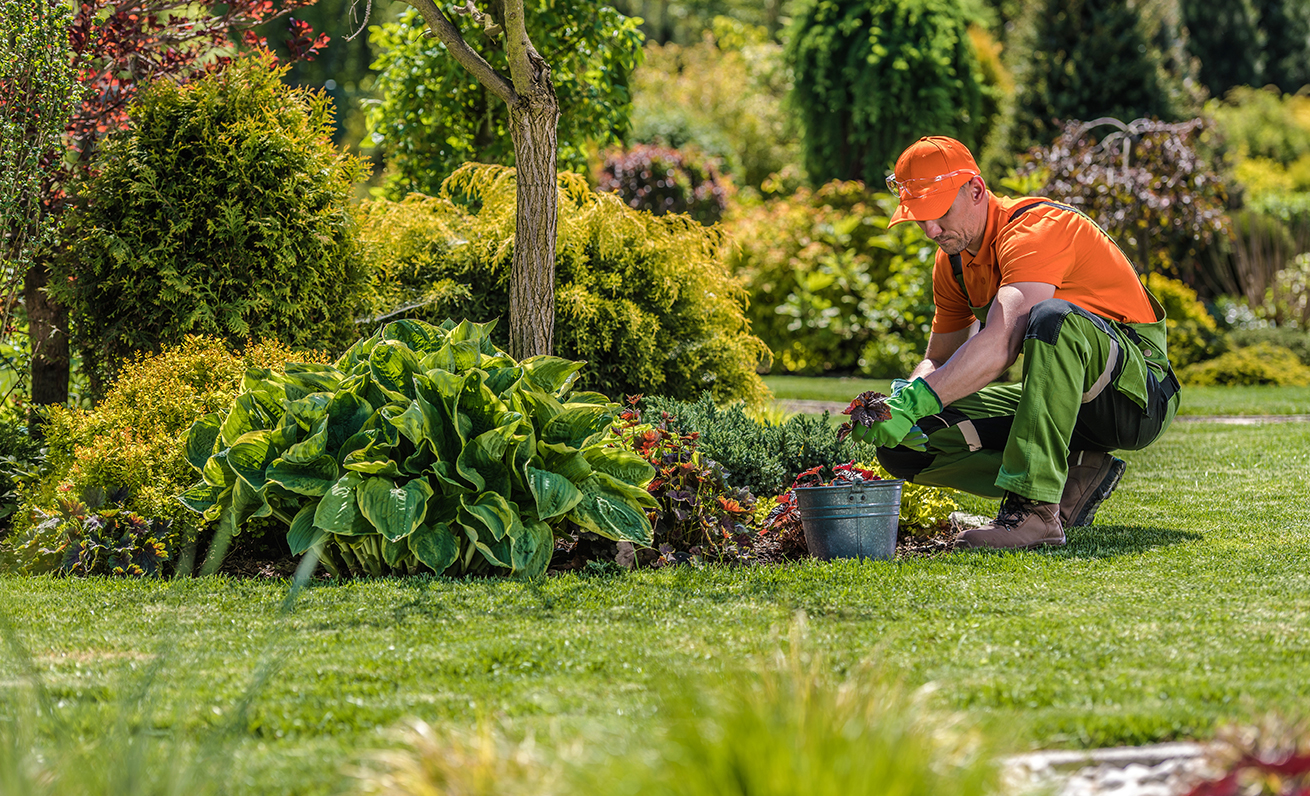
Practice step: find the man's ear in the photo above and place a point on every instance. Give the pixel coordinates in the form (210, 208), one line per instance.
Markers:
(977, 189)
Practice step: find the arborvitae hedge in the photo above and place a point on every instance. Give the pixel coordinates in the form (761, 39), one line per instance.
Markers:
(222, 210)
(872, 76)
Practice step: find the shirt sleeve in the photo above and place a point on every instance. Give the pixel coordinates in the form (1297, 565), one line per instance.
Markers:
(1037, 247)
(952, 308)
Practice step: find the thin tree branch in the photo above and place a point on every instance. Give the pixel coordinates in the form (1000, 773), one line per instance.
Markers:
(518, 48)
(442, 28)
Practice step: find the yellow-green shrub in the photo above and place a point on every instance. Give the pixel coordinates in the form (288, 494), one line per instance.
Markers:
(132, 441)
(648, 302)
(1259, 364)
(1193, 334)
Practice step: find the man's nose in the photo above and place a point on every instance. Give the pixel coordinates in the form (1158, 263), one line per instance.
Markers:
(930, 228)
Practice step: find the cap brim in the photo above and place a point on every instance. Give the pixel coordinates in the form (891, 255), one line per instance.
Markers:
(924, 208)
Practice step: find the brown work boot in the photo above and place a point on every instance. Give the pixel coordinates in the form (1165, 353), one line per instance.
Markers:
(1021, 523)
(1093, 475)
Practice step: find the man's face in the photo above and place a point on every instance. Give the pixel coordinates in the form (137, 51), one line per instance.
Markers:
(963, 225)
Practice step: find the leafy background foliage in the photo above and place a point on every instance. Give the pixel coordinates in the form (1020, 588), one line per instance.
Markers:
(660, 180)
(725, 95)
(1163, 203)
(871, 76)
(833, 288)
(434, 116)
(222, 211)
(1081, 60)
(648, 302)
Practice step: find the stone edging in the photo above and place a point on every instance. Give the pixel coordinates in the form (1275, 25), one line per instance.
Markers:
(1168, 769)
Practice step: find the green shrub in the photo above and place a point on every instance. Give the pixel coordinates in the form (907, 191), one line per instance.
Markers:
(1261, 363)
(422, 448)
(660, 180)
(433, 115)
(761, 457)
(1192, 332)
(1295, 340)
(833, 289)
(223, 210)
(647, 301)
(130, 445)
(871, 76)
(724, 95)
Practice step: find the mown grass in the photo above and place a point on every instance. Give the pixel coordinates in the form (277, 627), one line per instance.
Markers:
(1186, 606)
(1196, 401)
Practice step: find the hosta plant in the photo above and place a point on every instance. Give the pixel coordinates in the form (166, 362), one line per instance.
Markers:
(423, 448)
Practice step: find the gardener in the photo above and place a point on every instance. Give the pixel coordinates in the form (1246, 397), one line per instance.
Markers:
(1034, 277)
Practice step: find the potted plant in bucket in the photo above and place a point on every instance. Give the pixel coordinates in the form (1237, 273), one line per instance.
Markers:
(853, 515)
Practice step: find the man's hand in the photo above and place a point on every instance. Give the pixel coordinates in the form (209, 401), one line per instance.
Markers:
(912, 402)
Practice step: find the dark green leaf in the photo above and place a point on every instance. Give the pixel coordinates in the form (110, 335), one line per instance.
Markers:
(338, 511)
(435, 546)
(305, 478)
(302, 534)
(608, 510)
(553, 493)
(200, 440)
(394, 510)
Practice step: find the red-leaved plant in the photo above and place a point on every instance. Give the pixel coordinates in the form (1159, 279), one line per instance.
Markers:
(1272, 759)
(700, 516)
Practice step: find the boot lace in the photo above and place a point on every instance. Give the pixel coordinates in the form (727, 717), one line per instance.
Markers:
(1013, 509)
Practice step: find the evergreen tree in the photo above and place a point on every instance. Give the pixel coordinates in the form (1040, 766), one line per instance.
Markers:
(871, 76)
(1081, 59)
(1225, 37)
(1286, 26)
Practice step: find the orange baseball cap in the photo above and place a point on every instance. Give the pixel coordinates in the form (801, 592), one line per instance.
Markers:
(928, 175)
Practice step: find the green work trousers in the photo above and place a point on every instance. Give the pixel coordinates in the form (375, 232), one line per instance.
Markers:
(1017, 437)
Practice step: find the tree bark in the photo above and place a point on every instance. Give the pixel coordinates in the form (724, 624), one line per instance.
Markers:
(533, 126)
(47, 324)
(534, 119)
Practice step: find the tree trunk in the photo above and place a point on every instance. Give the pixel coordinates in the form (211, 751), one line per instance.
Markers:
(533, 123)
(47, 324)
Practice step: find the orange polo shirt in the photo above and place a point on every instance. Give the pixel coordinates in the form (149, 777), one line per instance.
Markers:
(1044, 244)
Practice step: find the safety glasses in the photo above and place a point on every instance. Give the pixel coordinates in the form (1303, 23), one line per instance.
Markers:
(925, 186)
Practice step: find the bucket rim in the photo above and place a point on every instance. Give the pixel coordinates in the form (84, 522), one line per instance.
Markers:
(887, 481)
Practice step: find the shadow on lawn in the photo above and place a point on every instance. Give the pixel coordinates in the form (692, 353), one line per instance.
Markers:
(1111, 541)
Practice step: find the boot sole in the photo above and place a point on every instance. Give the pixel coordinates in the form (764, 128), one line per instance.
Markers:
(1102, 491)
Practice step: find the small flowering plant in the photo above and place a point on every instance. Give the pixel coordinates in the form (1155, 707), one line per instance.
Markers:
(784, 521)
(700, 516)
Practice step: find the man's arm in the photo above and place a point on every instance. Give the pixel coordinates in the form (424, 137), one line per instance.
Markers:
(941, 346)
(979, 360)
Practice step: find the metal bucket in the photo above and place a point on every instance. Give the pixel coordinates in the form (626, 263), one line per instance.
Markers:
(851, 520)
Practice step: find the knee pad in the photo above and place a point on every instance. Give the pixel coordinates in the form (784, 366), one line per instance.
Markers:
(1046, 318)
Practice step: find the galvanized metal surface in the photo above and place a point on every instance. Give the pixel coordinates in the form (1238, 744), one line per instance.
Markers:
(851, 520)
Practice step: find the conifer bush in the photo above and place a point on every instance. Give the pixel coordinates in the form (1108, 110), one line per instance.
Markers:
(127, 453)
(222, 210)
(762, 457)
(648, 302)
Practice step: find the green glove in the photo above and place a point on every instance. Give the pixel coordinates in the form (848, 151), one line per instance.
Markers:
(915, 401)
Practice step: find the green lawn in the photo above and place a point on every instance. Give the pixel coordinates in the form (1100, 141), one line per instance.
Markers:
(1257, 400)
(1186, 606)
